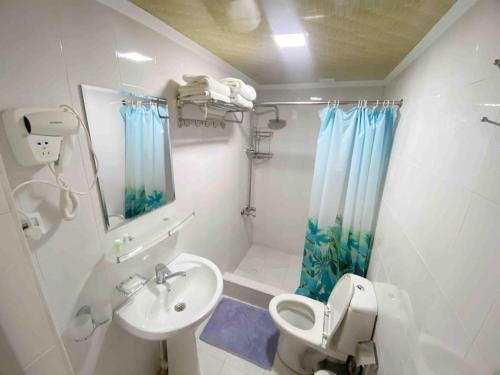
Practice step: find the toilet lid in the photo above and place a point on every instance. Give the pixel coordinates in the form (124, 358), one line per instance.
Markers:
(339, 302)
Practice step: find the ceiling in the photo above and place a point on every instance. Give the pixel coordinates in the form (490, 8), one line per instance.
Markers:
(346, 40)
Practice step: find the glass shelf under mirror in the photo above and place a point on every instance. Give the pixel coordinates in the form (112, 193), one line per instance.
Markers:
(140, 242)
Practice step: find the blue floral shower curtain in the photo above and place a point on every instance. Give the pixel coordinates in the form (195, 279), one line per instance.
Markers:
(353, 150)
(145, 182)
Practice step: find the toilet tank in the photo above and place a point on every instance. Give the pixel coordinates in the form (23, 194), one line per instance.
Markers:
(359, 321)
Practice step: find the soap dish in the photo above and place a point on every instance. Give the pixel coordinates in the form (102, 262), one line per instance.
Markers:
(132, 285)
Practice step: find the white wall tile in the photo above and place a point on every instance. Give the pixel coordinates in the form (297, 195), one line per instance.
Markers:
(23, 317)
(487, 343)
(470, 279)
(11, 252)
(4, 206)
(50, 364)
(30, 44)
(8, 361)
(88, 41)
(437, 236)
(489, 179)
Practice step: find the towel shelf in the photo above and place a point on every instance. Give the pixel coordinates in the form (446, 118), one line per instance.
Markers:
(206, 106)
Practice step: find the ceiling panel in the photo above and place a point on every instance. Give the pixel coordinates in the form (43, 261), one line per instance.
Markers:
(346, 39)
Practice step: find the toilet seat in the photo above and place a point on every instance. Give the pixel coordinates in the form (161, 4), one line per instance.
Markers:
(282, 309)
(290, 310)
(312, 331)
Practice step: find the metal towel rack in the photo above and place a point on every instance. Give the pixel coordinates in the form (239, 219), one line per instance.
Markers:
(211, 104)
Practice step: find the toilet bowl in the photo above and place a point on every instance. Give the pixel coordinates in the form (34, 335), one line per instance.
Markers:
(311, 331)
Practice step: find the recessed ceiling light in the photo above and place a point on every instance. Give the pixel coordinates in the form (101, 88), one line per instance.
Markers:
(315, 98)
(290, 40)
(134, 56)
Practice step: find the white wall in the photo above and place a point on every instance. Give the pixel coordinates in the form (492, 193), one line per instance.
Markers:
(437, 244)
(282, 185)
(48, 48)
(29, 343)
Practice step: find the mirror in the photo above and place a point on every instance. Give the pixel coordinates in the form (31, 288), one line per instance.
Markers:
(131, 138)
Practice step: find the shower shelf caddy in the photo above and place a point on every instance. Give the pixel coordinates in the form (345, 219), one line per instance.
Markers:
(137, 244)
(205, 106)
(254, 150)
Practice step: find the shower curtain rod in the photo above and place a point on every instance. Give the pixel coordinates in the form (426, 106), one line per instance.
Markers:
(398, 103)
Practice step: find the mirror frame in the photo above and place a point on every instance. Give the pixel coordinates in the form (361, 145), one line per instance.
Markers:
(169, 169)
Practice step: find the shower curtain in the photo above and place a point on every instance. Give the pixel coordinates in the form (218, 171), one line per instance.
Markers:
(145, 182)
(353, 150)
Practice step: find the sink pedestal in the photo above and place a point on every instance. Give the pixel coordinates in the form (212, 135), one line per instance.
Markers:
(173, 313)
(182, 354)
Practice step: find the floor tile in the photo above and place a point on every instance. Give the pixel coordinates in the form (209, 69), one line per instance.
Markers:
(230, 370)
(243, 365)
(209, 365)
(211, 350)
(272, 267)
(279, 368)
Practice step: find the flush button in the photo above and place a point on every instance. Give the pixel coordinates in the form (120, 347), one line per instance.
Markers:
(360, 287)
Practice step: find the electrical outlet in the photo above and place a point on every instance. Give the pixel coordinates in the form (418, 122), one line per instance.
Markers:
(35, 229)
(45, 148)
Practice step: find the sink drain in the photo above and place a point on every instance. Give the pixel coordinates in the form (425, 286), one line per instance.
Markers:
(180, 306)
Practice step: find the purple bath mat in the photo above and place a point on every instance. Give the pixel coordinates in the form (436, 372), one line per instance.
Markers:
(243, 330)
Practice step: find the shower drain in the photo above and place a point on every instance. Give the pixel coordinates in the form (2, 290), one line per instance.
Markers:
(180, 306)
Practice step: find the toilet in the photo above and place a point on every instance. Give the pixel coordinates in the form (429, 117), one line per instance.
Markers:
(311, 331)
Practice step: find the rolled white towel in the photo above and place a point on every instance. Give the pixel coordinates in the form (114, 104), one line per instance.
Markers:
(209, 83)
(204, 96)
(239, 87)
(198, 89)
(241, 101)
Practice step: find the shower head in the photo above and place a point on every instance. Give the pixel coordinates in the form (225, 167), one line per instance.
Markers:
(276, 124)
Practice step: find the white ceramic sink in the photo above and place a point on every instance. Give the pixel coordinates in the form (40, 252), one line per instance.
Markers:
(151, 314)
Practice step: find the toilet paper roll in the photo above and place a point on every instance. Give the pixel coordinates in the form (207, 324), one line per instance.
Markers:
(81, 327)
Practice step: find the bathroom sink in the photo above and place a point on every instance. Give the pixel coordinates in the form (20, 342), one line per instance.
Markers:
(159, 312)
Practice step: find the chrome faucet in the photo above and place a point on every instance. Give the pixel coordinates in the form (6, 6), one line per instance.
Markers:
(163, 273)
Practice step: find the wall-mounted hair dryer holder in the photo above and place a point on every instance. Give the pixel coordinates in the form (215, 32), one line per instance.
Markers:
(39, 136)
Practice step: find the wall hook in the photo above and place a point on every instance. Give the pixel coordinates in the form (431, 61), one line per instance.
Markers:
(486, 119)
